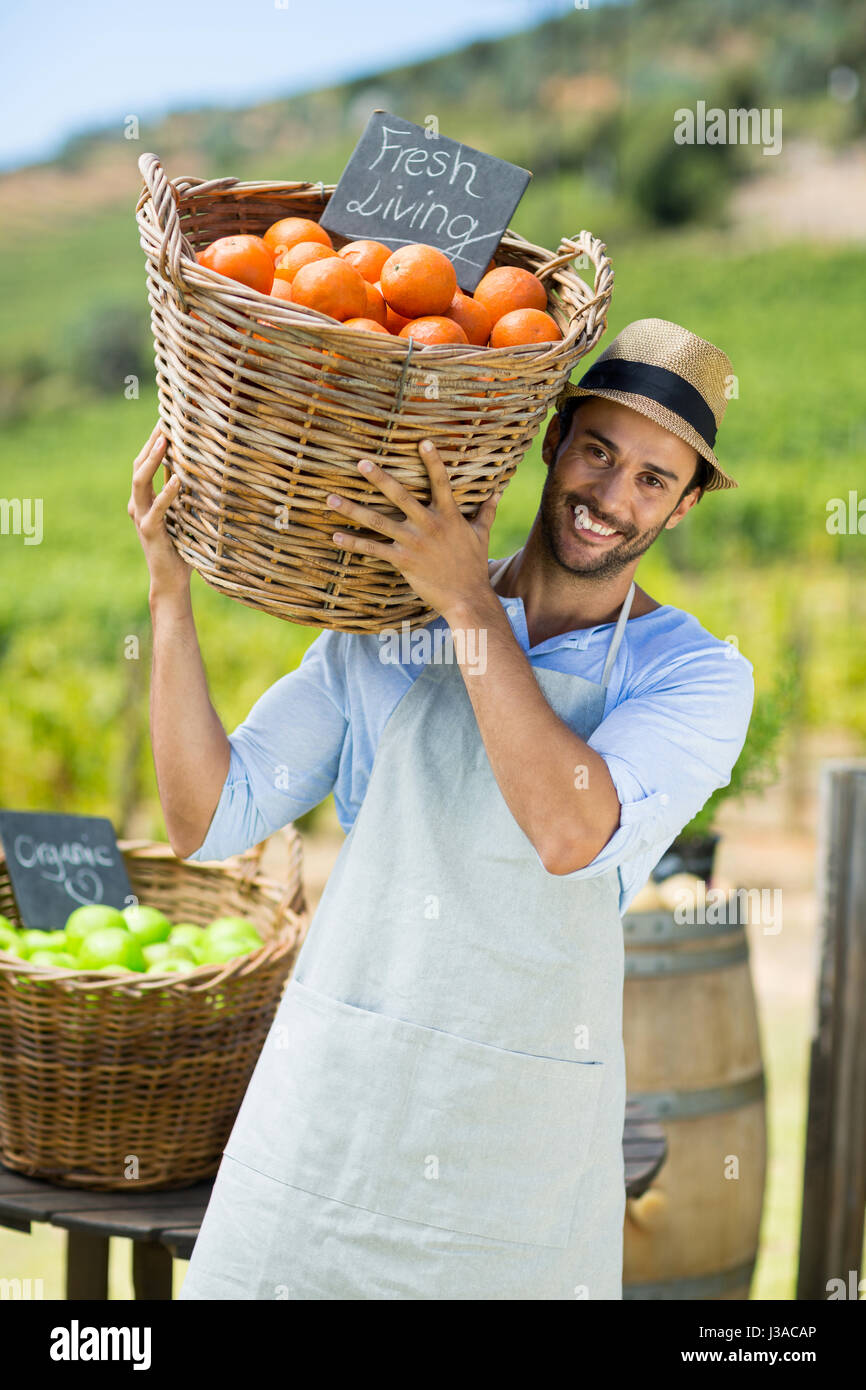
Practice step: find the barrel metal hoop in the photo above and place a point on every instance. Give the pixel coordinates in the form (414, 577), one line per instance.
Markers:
(643, 963)
(691, 1105)
(662, 926)
(697, 1286)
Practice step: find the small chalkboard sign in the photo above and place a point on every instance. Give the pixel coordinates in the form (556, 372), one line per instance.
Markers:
(405, 183)
(57, 863)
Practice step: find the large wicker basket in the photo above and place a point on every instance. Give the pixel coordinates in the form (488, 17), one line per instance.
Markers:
(267, 406)
(130, 1084)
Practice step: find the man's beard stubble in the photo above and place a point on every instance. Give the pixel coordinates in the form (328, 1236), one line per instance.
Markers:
(557, 510)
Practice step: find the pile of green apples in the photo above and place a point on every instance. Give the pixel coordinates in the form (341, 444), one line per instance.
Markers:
(138, 939)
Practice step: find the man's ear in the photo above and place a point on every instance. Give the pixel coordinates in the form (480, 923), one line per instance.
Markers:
(550, 444)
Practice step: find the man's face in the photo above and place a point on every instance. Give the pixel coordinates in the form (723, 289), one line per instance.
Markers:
(618, 470)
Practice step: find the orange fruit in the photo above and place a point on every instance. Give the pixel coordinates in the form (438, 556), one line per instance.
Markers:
(366, 256)
(376, 309)
(418, 281)
(472, 317)
(333, 287)
(509, 287)
(243, 258)
(524, 326)
(288, 263)
(369, 325)
(433, 328)
(393, 321)
(290, 230)
(281, 289)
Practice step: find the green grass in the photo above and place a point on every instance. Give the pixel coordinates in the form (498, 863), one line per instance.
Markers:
(72, 605)
(51, 283)
(785, 1048)
(42, 1255)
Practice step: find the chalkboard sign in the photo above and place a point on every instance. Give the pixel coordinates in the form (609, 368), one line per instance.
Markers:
(404, 183)
(57, 863)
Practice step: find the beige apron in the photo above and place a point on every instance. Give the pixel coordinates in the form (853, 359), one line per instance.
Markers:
(438, 1109)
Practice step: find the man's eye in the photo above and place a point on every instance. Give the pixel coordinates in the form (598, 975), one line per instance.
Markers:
(599, 453)
(650, 477)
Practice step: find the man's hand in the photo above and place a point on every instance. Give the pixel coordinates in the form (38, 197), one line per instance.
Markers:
(169, 572)
(533, 754)
(441, 554)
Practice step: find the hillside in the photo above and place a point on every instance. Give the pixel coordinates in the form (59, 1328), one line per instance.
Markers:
(583, 96)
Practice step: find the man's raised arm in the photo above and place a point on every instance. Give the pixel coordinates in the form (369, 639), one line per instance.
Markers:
(190, 748)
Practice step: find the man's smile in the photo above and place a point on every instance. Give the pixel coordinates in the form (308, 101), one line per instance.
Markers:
(589, 527)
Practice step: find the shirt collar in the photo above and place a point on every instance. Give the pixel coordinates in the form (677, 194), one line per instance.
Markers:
(578, 638)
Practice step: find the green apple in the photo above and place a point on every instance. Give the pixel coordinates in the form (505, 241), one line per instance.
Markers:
(230, 926)
(110, 946)
(171, 966)
(93, 917)
(158, 951)
(60, 960)
(226, 948)
(181, 952)
(235, 928)
(35, 940)
(8, 934)
(147, 923)
(165, 950)
(64, 960)
(187, 934)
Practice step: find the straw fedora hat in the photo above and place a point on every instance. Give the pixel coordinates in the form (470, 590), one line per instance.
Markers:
(668, 374)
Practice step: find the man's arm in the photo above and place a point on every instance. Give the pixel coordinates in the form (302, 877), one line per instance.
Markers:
(221, 794)
(557, 788)
(191, 750)
(190, 747)
(532, 752)
(286, 754)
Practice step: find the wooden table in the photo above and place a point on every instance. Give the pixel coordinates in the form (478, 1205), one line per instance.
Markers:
(163, 1225)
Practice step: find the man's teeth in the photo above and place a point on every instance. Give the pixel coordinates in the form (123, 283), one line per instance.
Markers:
(587, 525)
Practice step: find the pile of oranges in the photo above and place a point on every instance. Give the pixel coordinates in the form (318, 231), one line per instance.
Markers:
(408, 293)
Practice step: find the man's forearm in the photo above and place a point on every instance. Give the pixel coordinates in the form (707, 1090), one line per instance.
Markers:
(557, 788)
(191, 751)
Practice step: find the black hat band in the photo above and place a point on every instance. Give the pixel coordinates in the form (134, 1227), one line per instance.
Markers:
(658, 384)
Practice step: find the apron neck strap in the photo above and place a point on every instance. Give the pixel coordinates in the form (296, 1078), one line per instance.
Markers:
(616, 637)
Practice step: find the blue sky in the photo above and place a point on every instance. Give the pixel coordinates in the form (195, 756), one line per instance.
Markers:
(70, 67)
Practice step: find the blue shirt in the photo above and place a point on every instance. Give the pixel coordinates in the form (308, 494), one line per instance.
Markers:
(676, 715)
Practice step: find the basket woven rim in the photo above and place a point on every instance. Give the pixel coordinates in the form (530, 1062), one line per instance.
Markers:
(205, 976)
(286, 314)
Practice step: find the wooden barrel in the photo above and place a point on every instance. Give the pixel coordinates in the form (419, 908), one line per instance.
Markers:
(693, 1061)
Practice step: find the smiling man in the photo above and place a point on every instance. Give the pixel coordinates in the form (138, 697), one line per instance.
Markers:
(437, 1112)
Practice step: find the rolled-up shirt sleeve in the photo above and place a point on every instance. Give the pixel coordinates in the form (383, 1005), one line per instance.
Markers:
(668, 746)
(285, 755)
